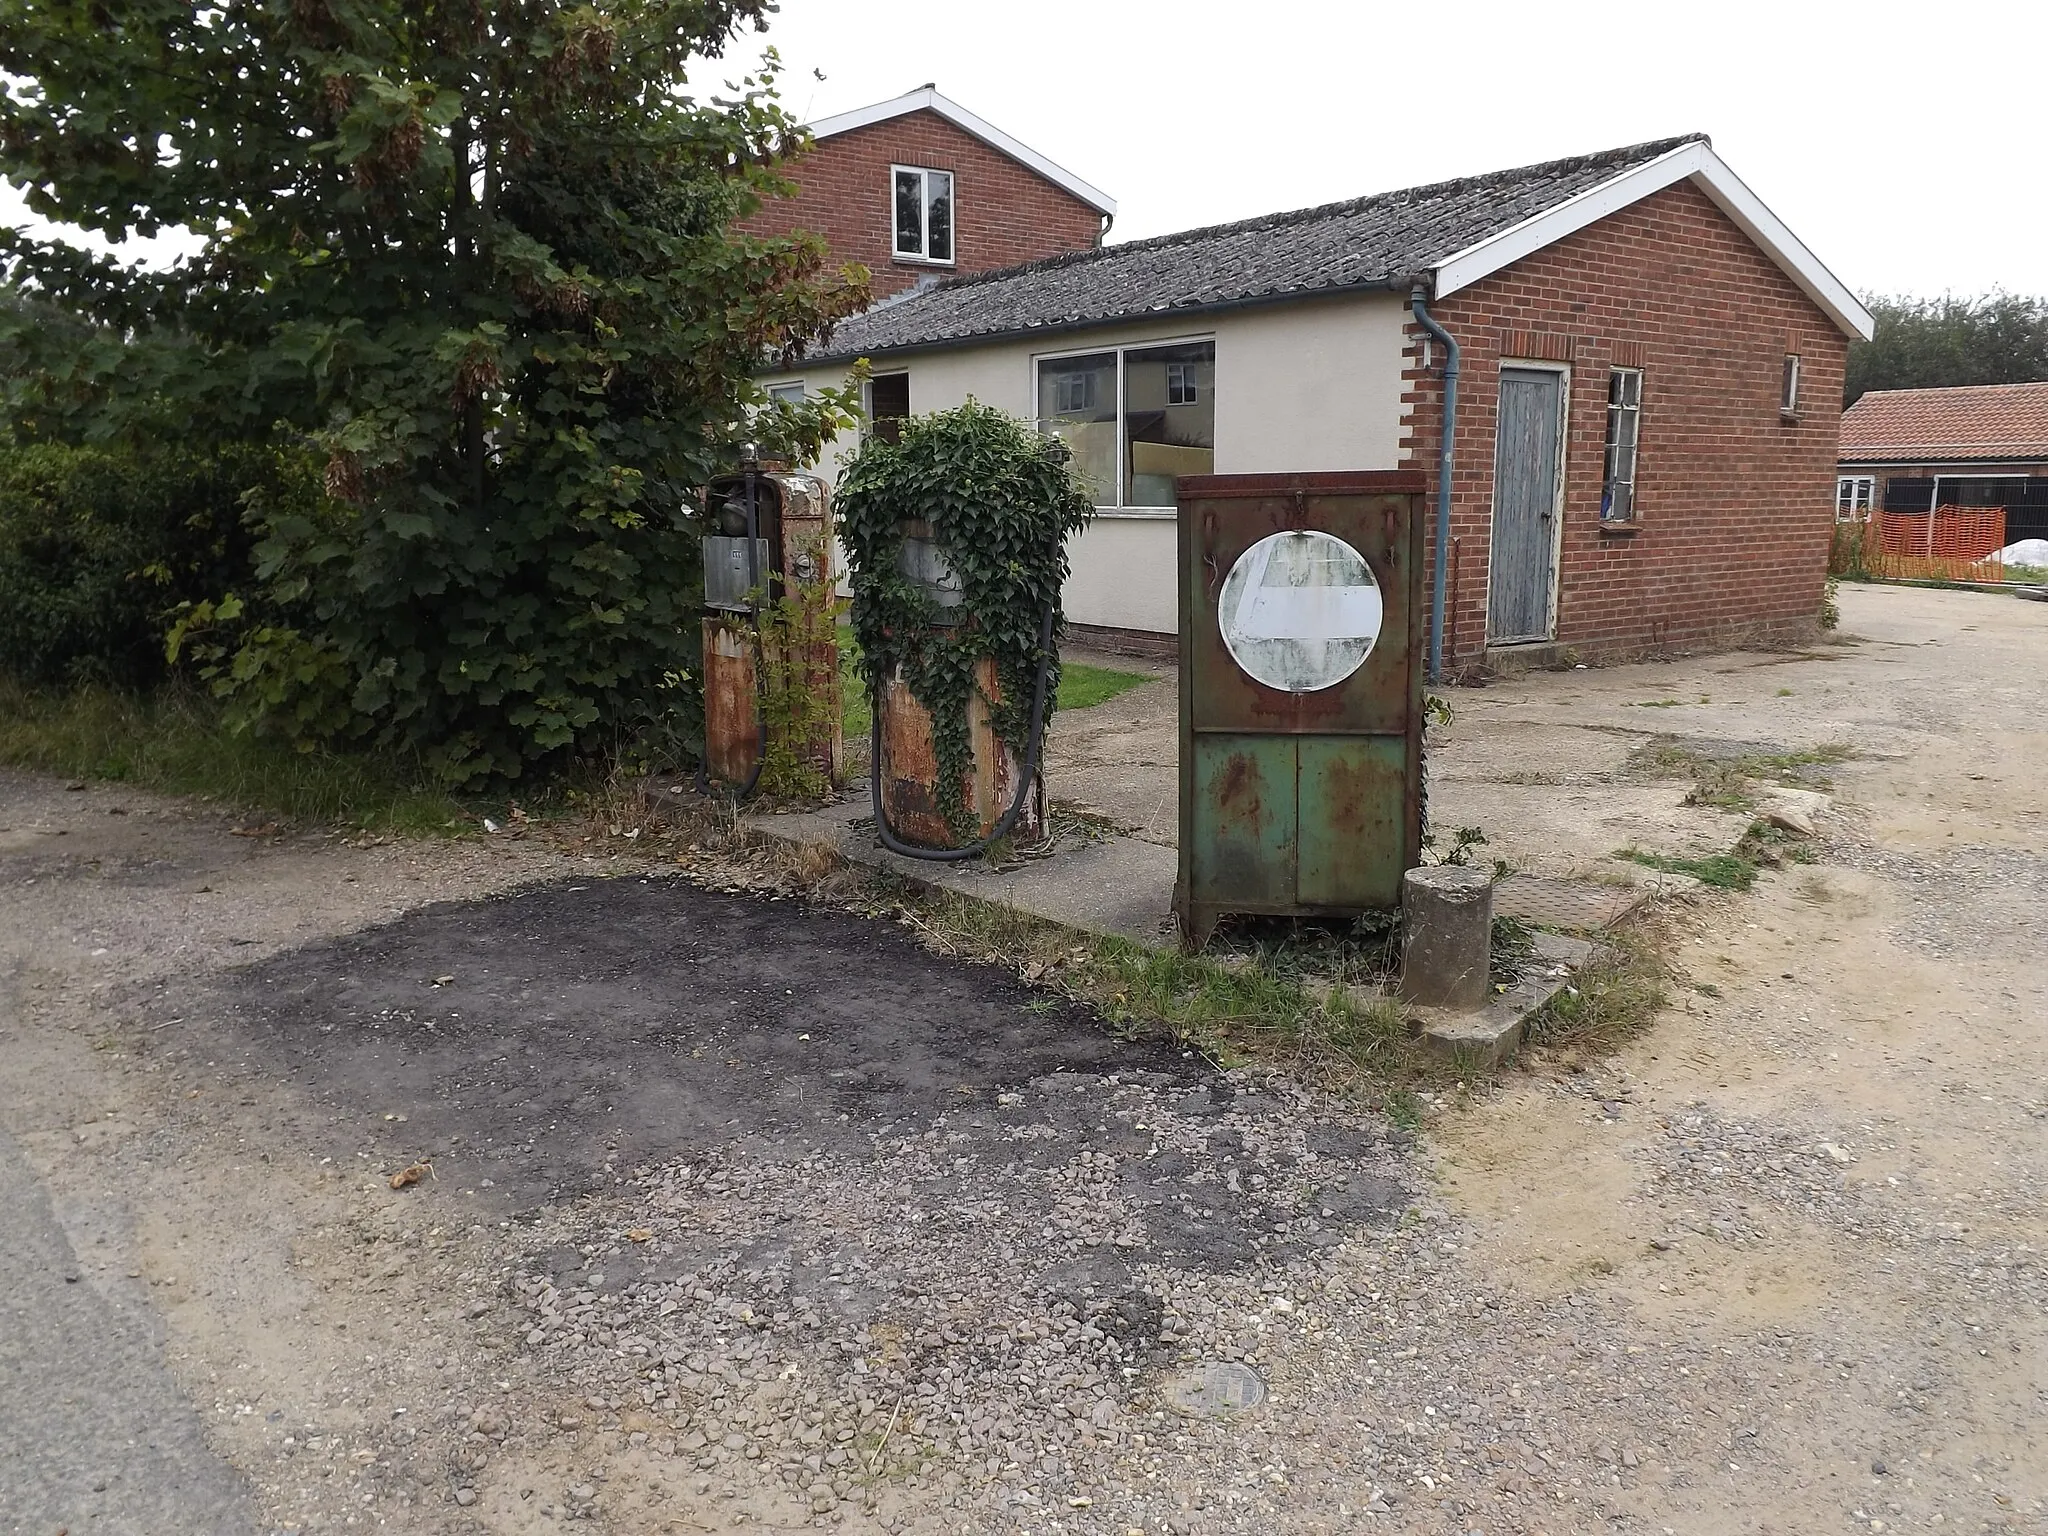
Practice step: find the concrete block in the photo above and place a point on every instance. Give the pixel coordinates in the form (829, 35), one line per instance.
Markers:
(1446, 936)
(1485, 1037)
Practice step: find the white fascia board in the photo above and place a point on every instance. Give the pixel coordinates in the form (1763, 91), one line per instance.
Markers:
(926, 98)
(1710, 173)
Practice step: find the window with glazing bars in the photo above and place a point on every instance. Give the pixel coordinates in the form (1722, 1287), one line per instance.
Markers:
(1624, 428)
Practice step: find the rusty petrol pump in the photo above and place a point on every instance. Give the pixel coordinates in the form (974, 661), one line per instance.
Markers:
(1004, 793)
(1302, 637)
(770, 553)
(956, 531)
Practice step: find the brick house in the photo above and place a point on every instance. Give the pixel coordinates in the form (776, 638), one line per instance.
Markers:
(1647, 411)
(1983, 445)
(919, 188)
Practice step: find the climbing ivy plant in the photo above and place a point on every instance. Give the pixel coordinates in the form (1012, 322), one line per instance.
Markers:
(1001, 501)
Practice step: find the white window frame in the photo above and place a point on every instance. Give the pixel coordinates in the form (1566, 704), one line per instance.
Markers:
(1788, 386)
(790, 393)
(1117, 508)
(1860, 493)
(1086, 381)
(1635, 450)
(922, 255)
(1178, 379)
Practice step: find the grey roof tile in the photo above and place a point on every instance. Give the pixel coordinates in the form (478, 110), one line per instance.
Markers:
(1366, 242)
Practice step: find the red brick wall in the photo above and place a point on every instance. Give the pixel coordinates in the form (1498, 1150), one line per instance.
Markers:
(1005, 212)
(1736, 507)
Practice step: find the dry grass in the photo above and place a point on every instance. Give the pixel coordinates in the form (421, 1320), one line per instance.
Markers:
(1614, 999)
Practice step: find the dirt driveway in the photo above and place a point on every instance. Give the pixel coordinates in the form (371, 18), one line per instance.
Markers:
(747, 1213)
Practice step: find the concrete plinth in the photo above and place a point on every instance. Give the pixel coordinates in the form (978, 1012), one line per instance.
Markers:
(1446, 936)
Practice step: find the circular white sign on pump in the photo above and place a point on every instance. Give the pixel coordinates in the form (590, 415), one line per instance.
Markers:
(1300, 611)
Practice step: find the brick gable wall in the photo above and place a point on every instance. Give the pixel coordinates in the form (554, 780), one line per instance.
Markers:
(1006, 212)
(1736, 507)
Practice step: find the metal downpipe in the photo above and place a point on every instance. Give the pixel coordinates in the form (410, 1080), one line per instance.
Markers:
(1417, 297)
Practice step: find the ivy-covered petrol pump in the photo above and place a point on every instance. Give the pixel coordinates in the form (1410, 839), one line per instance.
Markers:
(956, 539)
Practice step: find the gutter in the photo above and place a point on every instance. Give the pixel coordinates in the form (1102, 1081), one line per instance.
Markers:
(1417, 297)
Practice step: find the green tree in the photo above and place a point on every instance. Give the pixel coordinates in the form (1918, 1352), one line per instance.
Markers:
(478, 256)
(2000, 338)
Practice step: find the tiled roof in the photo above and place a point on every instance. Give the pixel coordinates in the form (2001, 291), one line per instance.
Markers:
(1978, 421)
(1370, 242)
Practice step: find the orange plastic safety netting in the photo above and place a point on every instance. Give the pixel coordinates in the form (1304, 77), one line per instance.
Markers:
(1951, 543)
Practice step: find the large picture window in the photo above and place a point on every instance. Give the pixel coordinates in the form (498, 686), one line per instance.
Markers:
(1137, 418)
(924, 214)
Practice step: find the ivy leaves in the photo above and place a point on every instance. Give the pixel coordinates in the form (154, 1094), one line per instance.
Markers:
(1000, 501)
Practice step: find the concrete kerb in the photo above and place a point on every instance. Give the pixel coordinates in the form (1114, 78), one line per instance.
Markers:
(1115, 886)
(1484, 1037)
(1122, 887)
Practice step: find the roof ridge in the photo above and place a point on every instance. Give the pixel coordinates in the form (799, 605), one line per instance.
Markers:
(1948, 389)
(1649, 149)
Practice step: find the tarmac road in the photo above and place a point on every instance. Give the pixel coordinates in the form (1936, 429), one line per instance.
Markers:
(98, 1438)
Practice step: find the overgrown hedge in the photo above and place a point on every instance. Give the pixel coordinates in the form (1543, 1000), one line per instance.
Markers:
(99, 545)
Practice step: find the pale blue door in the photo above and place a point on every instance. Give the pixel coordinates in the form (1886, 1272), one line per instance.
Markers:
(1522, 571)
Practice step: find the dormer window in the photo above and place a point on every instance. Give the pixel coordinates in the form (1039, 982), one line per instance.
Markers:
(924, 214)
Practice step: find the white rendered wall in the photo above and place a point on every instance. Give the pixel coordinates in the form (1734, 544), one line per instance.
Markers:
(1314, 385)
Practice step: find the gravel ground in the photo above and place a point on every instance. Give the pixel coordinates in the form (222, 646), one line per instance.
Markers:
(1774, 1267)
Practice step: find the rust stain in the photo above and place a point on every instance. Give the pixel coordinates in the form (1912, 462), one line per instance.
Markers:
(1240, 796)
(732, 739)
(910, 770)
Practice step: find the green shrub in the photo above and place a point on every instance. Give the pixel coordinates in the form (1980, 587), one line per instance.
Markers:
(99, 545)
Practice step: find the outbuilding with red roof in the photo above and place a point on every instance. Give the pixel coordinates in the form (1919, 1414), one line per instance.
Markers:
(1979, 445)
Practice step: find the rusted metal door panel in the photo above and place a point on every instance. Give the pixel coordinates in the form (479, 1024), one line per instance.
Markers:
(1301, 793)
(1352, 849)
(1376, 526)
(1525, 485)
(1244, 814)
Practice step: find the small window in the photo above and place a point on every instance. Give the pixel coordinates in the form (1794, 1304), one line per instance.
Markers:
(1853, 497)
(788, 394)
(1624, 429)
(1182, 386)
(924, 214)
(1073, 392)
(888, 405)
(1788, 397)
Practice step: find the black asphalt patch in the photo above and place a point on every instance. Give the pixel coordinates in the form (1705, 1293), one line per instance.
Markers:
(551, 1040)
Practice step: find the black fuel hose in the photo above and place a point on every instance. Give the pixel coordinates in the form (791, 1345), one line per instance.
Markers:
(1033, 746)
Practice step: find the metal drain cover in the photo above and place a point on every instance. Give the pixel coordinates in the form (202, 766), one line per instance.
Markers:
(1215, 1389)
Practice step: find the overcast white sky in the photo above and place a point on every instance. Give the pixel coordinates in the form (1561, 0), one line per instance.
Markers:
(1906, 146)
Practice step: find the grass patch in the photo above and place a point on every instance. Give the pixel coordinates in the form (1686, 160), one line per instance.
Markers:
(1723, 871)
(1235, 1008)
(173, 742)
(1728, 781)
(1084, 687)
(1615, 997)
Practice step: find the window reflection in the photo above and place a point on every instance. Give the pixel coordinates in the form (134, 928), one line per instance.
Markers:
(1169, 419)
(1077, 400)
